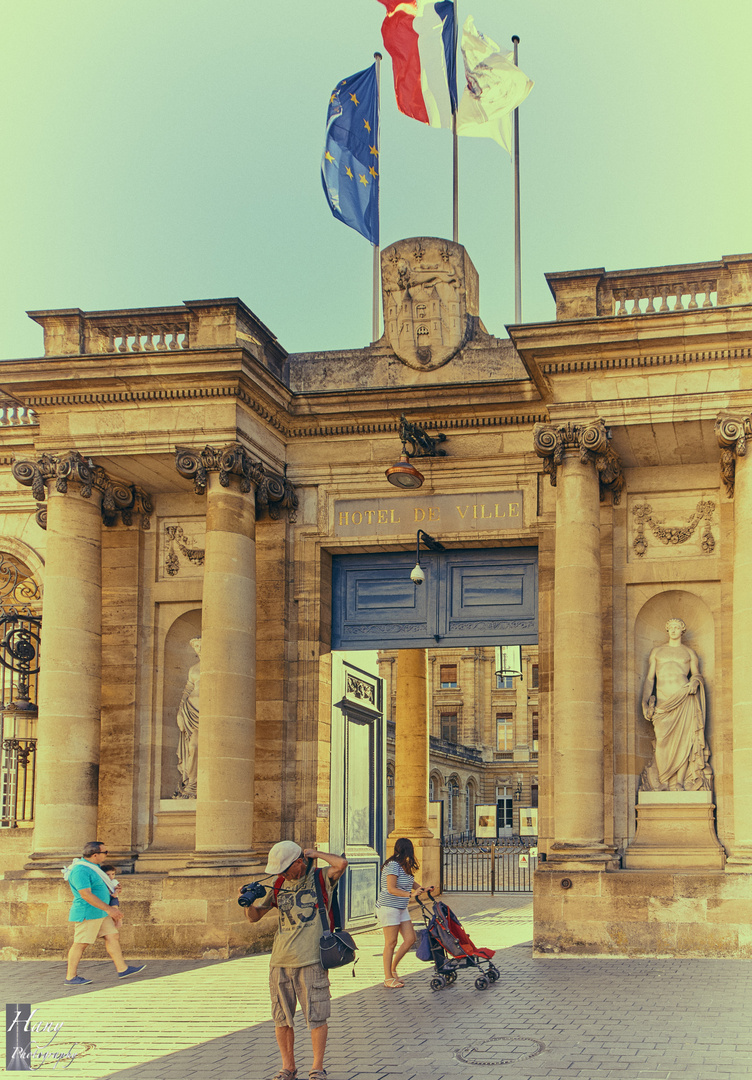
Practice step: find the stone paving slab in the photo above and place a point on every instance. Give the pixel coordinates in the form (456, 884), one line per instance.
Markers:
(582, 1019)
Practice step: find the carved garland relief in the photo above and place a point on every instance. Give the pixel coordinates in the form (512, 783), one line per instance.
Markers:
(690, 527)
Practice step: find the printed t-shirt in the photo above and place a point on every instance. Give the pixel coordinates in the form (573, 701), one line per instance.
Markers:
(296, 943)
(404, 881)
(83, 876)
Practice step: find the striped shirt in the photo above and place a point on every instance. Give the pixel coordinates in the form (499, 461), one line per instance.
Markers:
(404, 882)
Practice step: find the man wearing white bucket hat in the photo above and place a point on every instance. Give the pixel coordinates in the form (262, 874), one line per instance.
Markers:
(295, 971)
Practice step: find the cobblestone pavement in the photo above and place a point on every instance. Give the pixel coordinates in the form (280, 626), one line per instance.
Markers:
(546, 1019)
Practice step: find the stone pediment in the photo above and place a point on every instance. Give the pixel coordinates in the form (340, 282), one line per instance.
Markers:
(430, 297)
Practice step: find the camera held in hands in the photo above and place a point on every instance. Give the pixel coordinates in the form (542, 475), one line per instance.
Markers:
(254, 890)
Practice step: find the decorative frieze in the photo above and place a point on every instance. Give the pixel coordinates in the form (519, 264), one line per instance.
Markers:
(273, 492)
(120, 501)
(732, 433)
(591, 440)
(183, 548)
(673, 535)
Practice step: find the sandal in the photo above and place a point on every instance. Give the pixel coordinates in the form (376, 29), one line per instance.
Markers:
(393, 984)
(317, 1074)
(285, 1074)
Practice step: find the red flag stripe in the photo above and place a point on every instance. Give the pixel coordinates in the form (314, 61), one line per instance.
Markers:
(401, 42)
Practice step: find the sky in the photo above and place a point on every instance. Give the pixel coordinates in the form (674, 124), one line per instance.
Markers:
(156, 151)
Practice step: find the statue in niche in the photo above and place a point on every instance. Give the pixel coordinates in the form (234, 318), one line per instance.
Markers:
(673, 700)
(188, 724)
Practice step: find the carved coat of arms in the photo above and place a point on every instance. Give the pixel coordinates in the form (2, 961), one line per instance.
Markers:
(430, 295)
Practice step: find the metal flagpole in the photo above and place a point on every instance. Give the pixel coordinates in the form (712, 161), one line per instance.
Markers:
(455, 148)
(376, 247)
(517, 258)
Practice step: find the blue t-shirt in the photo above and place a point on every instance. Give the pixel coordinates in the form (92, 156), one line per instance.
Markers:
(84, 876)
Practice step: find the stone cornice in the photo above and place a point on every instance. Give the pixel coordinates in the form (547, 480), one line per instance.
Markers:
(733, 431)
(590, 439)
(620, 363)
(120, 501)
(272, 491)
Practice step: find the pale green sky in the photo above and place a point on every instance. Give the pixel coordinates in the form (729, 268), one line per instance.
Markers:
(155, 151)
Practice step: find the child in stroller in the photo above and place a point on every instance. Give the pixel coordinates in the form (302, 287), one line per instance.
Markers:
(444, 942)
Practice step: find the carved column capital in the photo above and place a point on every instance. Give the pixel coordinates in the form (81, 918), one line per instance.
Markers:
(732, 432)
(119, 500)
(273, 492)
(591, 439)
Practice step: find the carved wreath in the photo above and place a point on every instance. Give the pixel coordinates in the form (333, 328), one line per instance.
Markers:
(673, 534)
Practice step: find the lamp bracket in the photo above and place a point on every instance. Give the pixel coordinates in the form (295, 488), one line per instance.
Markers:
(417, 442)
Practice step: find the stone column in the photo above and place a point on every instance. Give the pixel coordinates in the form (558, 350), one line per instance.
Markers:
(411, 746)
(734, 433)
(227, 721)
(579, 461)
(68, 730)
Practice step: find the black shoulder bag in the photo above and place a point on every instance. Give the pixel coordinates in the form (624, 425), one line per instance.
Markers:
(336, 946)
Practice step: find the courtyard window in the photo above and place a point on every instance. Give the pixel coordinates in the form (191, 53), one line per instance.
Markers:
(448, 676)
(504, 732)
(449, 727)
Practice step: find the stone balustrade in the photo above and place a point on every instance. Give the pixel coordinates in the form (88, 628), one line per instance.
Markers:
(163, 338)
(17, 416)
(594, 293)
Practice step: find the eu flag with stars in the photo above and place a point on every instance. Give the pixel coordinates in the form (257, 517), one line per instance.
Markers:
(350, 165)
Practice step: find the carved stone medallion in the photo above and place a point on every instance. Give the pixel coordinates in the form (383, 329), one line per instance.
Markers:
(430, 296)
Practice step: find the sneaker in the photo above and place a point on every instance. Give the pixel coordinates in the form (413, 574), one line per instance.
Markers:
(78, 980)
(130, 971)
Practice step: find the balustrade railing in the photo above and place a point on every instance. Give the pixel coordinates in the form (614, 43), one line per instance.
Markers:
(16, 416)
(684, 295)
(138, 339)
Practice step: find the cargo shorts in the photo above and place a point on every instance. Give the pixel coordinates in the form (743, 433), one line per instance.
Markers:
(309, 985)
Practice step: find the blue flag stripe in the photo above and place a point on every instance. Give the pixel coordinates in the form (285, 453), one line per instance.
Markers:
(445, 10)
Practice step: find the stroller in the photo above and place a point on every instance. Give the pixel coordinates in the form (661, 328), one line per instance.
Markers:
(446, 944)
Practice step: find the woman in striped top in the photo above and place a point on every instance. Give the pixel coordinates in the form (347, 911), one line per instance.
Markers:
(397, 886)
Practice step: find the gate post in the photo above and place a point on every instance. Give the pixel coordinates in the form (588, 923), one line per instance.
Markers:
(493, 867)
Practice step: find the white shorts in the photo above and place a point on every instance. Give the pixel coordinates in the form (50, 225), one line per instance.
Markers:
(392, 916)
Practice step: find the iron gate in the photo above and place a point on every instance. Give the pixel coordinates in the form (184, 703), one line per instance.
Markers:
(495, 866)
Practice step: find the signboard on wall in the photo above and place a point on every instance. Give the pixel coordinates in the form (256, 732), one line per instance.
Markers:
(487, 511)
(528, 821)
(485, 821)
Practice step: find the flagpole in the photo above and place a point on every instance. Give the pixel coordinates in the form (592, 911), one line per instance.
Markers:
(455, 146)
(517, 255)
(376, 247)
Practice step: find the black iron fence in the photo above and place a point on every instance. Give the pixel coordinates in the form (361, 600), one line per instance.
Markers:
(490, 866)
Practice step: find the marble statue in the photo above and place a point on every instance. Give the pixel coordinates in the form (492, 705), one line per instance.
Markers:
(188, 724)
(673, 700)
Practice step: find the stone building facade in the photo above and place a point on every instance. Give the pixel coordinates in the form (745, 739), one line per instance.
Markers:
(483, 730)
(169, 474)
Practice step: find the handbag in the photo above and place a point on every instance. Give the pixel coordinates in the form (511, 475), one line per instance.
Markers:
(336, 946)
(423, 949)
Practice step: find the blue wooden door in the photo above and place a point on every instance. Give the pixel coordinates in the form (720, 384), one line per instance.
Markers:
(478, 597)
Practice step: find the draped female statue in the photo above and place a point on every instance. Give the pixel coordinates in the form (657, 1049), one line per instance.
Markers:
(188, 726)
(673, 700)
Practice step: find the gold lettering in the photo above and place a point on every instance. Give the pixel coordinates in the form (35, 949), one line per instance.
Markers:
(369, 516)
(393, 519)
(483, 513)
(382, 517)
(475, 511)
(462, 512)
(421, 511)
(344, 513)
(433, 513)
(514, 509)
(360, 517)
(503, 512)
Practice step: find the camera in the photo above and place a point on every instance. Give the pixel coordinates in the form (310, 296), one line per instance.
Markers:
(250, 892)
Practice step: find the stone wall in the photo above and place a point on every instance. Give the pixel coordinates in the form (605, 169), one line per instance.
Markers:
(635, 913)
(196, 917)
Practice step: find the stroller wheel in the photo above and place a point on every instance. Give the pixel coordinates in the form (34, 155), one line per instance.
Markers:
(481, 983)
(451, 977)
(438, 982)
(493, 973)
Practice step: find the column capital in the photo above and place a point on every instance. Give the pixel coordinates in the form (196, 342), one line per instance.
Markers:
(590, 439)
(732, 430)
(273, 491)
(119, 500)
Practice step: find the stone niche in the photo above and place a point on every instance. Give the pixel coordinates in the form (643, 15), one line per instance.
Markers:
(675, 830)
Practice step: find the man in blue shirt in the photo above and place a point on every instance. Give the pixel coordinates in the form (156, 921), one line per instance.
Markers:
(92, 915)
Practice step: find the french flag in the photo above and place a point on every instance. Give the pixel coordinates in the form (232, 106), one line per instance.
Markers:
(419, 35)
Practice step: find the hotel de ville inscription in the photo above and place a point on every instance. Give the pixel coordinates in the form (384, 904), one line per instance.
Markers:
(482, 512)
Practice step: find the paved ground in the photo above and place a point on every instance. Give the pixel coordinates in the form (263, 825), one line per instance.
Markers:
(549, 1018)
